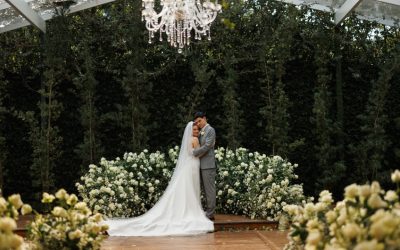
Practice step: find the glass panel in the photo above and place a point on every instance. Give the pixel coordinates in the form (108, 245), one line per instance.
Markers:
(379, 11)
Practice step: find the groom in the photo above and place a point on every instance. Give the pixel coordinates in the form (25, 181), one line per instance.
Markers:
(208, 169)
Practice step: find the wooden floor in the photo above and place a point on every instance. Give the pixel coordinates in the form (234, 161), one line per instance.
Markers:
(231, 233)
(246, 240)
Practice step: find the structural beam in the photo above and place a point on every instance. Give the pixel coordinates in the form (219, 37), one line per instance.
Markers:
(48, 16)
(5, 5)
(28, 13)
(312, 6)
(88, 4)
(345, 10)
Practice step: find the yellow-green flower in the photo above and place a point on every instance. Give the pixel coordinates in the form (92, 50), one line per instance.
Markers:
(351, 230)
(396, 176)
(7, 224)
(314, 237)
(391, 196)
(369, 245)
(59, 212)
(15, 200)
(62, 194)
(376, 202)
(3, 204)
(75, 234)
(10, 241)
(47, 198)
(72, 199)
(351, 192)
(26, 209)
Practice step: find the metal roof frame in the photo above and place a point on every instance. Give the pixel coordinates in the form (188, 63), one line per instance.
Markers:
(343, 8)
(30, 15)
(21, 13)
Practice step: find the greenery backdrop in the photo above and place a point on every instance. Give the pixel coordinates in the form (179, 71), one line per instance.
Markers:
(275, 78)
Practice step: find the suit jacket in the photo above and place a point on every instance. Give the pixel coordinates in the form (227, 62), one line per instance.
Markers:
(206, 149)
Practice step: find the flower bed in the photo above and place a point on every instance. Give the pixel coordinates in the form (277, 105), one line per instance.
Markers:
(248, 183)
(9, 212)
(367, 218)
(69, 225)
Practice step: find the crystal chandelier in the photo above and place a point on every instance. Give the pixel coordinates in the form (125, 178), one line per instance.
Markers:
(178, 18)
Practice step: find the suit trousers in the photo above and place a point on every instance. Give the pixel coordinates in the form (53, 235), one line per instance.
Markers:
(208, 184)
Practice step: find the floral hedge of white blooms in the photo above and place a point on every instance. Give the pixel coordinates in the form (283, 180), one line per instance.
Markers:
(70, 224)
(129, 186)
(248, 183)
(9, 211)
(367, 219)
(254, 184)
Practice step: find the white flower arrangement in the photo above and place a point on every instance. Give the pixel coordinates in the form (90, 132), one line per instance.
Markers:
(9, 212)
(126, 187)
(248, 183)
(367, 218)
(69, 225)
(253, 184)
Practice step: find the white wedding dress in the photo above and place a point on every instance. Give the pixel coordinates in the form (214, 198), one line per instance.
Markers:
(179, 210)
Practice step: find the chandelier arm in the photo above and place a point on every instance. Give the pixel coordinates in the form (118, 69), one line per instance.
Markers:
(178, 18)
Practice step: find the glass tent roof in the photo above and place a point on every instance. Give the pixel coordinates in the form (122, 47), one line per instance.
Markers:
(15, 14)
(19, 13)
(386, 12)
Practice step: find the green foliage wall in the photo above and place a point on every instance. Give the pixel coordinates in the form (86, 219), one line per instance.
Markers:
(274, 78)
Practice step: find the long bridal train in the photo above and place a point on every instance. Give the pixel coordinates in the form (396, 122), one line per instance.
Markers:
(179, 211)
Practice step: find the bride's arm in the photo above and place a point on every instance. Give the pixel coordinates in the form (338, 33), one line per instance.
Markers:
(195, 145)
(195, 142)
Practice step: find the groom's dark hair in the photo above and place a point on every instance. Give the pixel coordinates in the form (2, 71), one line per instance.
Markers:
(199, 114)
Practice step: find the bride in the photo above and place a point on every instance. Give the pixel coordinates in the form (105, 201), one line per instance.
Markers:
(179, 211)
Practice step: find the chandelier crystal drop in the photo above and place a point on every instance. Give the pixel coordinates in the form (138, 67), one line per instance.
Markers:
(178, 18)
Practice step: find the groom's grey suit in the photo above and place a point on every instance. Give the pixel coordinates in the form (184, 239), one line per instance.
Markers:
(207, 166)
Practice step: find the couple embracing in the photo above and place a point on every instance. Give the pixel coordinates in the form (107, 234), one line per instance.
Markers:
(179, 210)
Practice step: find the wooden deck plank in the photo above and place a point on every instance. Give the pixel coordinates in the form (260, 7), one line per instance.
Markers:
(267, 240)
